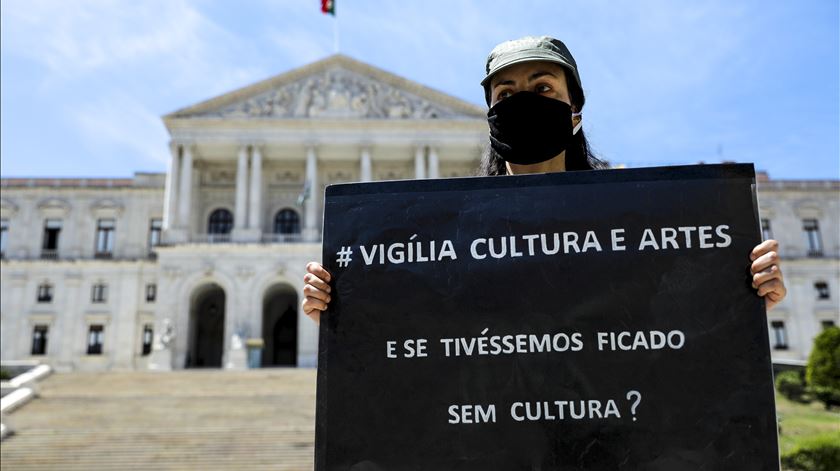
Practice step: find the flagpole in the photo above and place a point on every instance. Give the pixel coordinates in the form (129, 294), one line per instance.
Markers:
(335, 33)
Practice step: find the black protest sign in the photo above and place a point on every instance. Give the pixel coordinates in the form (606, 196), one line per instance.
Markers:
(580, 320)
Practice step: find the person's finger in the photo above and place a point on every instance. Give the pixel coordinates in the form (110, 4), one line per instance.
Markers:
(313, 314)
(318, 270)
(764, 262)
(310, 304)
(311, 291)
(776, 287)
(313, 280)
(764, 276)
(769, 245)
(773, 298)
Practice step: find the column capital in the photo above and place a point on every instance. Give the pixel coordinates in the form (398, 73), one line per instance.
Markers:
(186, 144)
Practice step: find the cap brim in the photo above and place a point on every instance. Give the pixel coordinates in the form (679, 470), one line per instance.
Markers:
(528, 56)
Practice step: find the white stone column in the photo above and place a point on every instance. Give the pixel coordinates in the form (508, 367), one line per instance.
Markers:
(185, 193)
(366, 165)
(419, 162)
(123, 324)
(799, 336)
(310, 232)
(434, 165)
(15, 331)
(255, 201)
(240, 213)
(67, 336)
(170, 199)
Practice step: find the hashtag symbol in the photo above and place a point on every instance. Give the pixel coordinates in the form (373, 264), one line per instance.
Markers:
(344, 256)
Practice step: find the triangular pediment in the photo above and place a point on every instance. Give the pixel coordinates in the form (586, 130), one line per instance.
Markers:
(337, 87)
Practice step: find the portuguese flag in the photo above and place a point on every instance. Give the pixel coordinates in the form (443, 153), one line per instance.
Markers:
(328, 7)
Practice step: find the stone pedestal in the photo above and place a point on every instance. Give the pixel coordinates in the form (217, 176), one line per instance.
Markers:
(161, 359)
(237, 356)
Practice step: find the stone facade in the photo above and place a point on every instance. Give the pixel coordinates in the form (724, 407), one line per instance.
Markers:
(179, 269)
(804, 216)
(212, 253)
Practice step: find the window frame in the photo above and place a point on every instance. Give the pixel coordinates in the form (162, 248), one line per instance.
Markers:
(99, 293)
(766, 230)
(42, 343)
(780, 336)
(46, 293)
(220, 222)
(4, 235)
(151, 292)
(95, 339)
(147, 339)
(287, 218)
(105, 238)
(813, 237)
(155, 233)
(823, 291)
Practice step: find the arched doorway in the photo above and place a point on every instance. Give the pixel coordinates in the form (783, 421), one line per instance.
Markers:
(279, 326)
(207, 327)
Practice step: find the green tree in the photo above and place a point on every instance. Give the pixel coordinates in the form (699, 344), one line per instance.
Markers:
(823, 372)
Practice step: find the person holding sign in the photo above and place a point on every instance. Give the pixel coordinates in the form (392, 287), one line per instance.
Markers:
(534, 92)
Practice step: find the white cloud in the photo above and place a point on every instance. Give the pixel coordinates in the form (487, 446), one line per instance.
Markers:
(120, 124)
(82, 39)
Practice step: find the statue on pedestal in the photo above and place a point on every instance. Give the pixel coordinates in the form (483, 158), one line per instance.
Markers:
(161, 348)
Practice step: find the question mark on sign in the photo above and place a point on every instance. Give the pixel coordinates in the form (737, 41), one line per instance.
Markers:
(638, 396)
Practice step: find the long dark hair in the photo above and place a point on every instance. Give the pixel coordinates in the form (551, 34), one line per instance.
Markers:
(579, 155)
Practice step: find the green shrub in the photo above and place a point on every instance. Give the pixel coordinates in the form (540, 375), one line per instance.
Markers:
(823, 372)
(5, 374)
(820, 453)
(791, 385)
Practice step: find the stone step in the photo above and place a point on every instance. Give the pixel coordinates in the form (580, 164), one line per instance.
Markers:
(197, 419)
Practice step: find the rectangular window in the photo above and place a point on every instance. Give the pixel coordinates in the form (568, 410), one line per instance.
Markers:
(96, 334)
(4, 234)
(779, 335)
(45, 293)
(52, 229)
(151, 292)
(148, 335)
(155, 229)
(812, 234)
(766, 233)
(827, 324)
(105, 238)
(99, 293)
(822, 290)
(39, 340)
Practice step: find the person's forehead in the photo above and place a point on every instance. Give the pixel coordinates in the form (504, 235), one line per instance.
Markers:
(524, 70)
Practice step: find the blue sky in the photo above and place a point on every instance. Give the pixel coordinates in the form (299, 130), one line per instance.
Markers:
(83, 83)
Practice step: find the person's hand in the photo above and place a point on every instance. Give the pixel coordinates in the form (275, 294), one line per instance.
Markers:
(316, 291)
(766, 273)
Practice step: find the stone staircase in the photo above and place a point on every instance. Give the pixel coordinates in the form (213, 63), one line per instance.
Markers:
(185, 420)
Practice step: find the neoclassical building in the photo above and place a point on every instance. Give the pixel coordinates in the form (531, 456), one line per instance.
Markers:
(99, 273)
(93, 269)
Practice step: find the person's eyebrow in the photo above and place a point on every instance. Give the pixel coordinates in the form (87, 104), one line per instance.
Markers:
(533, 77)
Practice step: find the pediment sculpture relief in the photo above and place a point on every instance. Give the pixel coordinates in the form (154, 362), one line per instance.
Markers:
(336, 93)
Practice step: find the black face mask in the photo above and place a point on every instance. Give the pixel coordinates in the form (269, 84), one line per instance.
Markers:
(528, 128)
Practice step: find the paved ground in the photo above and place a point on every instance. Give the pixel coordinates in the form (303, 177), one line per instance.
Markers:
(197, 420)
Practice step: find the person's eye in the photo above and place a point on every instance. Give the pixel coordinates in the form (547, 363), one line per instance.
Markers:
(542, 88)
(503, 94)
